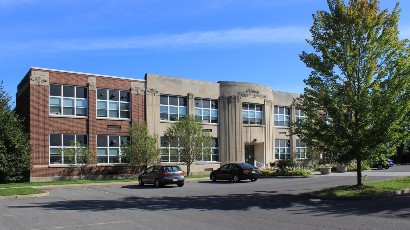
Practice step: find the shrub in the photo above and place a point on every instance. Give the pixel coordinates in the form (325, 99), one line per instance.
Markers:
(289, 163)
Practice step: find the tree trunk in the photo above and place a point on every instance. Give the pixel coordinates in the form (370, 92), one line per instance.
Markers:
(359, 172)
(188, 169)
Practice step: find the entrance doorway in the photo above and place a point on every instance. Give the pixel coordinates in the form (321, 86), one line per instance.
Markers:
(249, 154)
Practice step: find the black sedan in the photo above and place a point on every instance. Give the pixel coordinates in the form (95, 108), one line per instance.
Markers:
(236, 172)
(161, 175)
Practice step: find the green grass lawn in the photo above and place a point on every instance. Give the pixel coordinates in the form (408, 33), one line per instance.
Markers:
(19, 191)
(62, 182)
(370, 188)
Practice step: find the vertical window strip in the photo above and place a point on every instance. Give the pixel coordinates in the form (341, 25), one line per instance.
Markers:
(282, 149)
(252, 114)
(281, 116)
(301, 150)
(206, 110)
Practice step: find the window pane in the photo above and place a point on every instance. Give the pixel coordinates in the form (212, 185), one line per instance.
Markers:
(102, 141)
(182, 111)
(81, 92)
(68, 91)
(206, 103)
(101, 152)
(245, 106)
(82, 140)
(125, 114)
(55, 110)
(68, 139)
(101, 94)
(101, 105)
(113, 95)
(125, 96)
(173, 109)
(198, 103)
(55, 101)
(164, 100)
(183, 101)
(81, 103)
(214, 105)
(68, 111)
(113, 106)
(68, 102)
(258, 107)
(55, 139)
(114, 152)
(125, 106)
(55, 90)
(113, 141)
(198, 112)
(173, 100)
(114, 114)
(101, 113)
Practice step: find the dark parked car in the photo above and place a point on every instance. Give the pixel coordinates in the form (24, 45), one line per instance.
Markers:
(383, 163)
(161, 175)
(236, 172)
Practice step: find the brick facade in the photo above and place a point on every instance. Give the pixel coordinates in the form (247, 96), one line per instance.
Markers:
(32, 104)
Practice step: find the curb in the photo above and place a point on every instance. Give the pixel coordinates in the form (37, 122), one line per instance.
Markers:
(44, 194)
(402, 192)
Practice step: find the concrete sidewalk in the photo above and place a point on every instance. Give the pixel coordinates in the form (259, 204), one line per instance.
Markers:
(366, 172)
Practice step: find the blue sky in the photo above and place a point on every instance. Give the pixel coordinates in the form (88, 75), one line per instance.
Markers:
(254, 41)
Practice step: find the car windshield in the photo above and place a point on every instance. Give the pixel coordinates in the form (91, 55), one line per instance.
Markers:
(247, 166)
(171, 168)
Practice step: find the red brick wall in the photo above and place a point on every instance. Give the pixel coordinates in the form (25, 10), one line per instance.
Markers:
(42, 124)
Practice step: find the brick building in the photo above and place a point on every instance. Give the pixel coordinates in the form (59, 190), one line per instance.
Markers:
(249, 122)
(59, 107)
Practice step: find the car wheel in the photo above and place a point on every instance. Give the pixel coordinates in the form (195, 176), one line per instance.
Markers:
(140, 182)
(379, 167)
(180, 184)
(157, 184)
(213, 178)
(253, 180)
(235, 179)
(387, 166)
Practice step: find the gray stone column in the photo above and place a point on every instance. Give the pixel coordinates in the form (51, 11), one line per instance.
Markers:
(230, 129)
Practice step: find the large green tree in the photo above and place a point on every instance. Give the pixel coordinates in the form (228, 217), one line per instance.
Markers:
(141, 150)
(14, 143)
(357, 98)
(192, 139)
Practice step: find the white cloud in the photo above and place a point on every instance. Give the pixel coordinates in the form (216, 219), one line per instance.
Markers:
(197, 39)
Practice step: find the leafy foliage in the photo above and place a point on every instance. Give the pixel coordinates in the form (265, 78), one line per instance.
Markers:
(78, 156)
(14, 143)
(142, 149)
(357, 97)
(192, 139)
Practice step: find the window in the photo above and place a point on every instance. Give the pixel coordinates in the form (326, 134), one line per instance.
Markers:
(113, 103)
(301, 150)
(61, 142)
(109, 149)
(68, 100)
(252, 113)
(172, 107)
(169, 151)
(215, 152)
(206, 110)
(282, 149)
(299, 114)
(282, 115)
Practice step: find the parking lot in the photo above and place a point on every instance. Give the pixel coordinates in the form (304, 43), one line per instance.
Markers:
(272, 203)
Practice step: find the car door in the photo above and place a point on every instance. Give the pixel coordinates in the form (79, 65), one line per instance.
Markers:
(224, 172)
(145, 175)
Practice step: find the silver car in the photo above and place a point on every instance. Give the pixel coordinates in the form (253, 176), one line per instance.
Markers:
(160, 175)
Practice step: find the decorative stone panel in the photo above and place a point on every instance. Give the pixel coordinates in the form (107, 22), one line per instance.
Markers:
(92, 83)
(137, 88)
(39, 78)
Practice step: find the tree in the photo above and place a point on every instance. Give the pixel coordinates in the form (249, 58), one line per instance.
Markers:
(193, 140)
(79, 156)
(357, 95)
(141, 150)
(14, 143)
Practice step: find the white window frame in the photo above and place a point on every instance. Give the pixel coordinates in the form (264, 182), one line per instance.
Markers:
(107, 149)
(62, 147)
(75, 100)
(301, 150)
(167, 149)
(117, 104)
(282, 147)
(250, 112)
(214, 148)
(182, 110)
(299, 114)
(200, 110)
(281, 116)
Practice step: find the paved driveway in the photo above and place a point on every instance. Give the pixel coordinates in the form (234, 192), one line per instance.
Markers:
(274, 203)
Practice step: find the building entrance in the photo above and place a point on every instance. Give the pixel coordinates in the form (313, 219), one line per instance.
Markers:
(249, 154)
